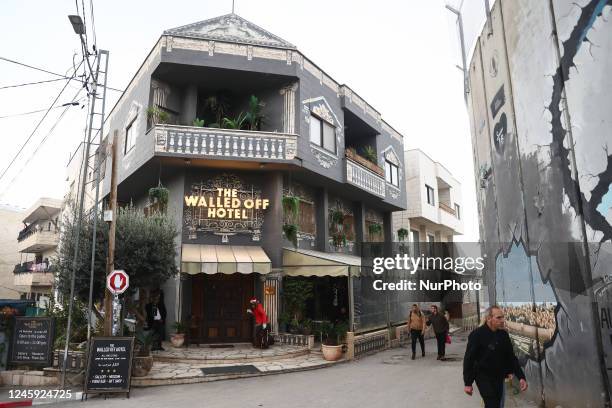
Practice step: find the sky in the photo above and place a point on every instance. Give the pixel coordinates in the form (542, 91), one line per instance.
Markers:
(399, 55)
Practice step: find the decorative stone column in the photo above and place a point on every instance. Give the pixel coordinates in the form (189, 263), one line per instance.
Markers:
(288, 93)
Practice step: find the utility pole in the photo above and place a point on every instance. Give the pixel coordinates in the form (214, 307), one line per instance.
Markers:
(79, 29)
(97, 197)
(110, 260)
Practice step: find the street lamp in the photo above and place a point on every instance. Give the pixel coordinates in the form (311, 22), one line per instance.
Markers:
(77, 24)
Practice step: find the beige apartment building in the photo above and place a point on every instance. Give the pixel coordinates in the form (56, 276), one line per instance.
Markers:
(434, 204)
(36, 244)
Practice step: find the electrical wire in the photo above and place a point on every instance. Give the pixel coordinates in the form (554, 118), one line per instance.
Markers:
(40, 110)
(58, 120)
(30, 83)
(37, 125)
(52, 73)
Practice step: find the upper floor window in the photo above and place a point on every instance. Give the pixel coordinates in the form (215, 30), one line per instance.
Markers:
(431, 199)
(458, 211)
(391, 173)
(129, 138)
(322, 134)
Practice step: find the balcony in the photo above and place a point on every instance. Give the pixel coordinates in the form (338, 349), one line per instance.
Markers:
(227, 144)
(35, 239)
(33, 274)
(366, 178)
(448, 217)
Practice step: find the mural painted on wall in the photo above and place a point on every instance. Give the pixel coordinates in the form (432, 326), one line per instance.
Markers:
(541, 126)
(528, 303)
(223, 205)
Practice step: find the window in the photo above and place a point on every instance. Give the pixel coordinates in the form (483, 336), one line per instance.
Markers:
(415, 242)
(306, 222)
(430, 244)
(129, 138)
(391, 173)
(458, 211)
(430, 195)
(322, 134)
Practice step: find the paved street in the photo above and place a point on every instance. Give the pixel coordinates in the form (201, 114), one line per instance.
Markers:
(387, 379)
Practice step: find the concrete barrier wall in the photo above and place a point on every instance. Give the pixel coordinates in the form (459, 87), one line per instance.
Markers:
(539, 106)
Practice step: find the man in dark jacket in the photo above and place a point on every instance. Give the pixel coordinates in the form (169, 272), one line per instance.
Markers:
(156, 318)
(489, 359)
(440, 327)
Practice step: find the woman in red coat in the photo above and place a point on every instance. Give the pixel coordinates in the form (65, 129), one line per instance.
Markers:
(261, 323)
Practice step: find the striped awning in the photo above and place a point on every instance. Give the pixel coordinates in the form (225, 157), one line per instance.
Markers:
(228, 259)
(305, 262)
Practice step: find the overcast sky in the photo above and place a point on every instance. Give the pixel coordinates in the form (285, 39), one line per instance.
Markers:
(400, 56)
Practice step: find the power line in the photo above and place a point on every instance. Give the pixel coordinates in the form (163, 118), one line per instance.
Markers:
(74, 103)
(30, 83)
(43, 140)
(52, 73)
(38, 125)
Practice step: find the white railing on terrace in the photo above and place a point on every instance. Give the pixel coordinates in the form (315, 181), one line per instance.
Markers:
(224, 143)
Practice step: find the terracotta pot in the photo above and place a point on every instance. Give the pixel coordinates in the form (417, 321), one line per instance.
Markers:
(177, 339)
(141, 366)
(332, 353)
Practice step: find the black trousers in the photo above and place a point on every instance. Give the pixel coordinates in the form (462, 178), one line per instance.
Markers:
(414, 335)
(441, 340)
(158, 329)
(261, 336)
(491, 390)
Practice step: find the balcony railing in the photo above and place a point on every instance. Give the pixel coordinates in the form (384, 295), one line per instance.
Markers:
(446, 208)
(27, 267)
(364, 178)
(225, 143)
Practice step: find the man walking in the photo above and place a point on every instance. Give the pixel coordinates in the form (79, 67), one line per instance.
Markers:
(440, 327)
(489, 358)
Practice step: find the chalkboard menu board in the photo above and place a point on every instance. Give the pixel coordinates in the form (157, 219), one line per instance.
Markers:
(32, 341)
(109, 366)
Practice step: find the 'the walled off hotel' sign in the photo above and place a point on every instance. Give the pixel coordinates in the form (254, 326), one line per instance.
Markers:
(224, 205)
(227, 204)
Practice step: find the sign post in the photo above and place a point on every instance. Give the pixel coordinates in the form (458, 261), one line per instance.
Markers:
(32, 342)
(109, 365)
(117, 282)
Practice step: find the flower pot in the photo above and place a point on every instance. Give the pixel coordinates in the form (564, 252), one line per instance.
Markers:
(332, 353)
(141, 366)
(177, 339)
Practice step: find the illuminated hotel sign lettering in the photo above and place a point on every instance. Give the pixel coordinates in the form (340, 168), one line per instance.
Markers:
(226, 204)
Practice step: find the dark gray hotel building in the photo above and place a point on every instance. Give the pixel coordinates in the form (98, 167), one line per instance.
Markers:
(236, 123)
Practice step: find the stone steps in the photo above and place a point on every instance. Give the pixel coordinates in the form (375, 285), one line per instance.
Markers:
(237, 359)
(189, 373)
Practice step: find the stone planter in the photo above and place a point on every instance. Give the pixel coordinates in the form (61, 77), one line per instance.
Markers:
(331, 353)
(141, 366)
(177, 340)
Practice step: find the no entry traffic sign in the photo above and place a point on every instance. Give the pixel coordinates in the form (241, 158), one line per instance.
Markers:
(117, 282)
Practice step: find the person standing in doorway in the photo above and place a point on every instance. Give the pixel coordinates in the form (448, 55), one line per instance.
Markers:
(416, 324)
(156, 318)
(489, 359)
(440, 328)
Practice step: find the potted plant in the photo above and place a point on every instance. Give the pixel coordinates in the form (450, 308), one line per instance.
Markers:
(331, 347)
(291, 209)
(338, 233)
(156, 115)
(254, 117)
(306, 327)
(159, 196)
(143, 361)
(178, 338)
(197, 122)
(402, 234)
(369, 153)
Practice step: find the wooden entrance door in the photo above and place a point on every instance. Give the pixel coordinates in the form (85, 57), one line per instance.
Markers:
(220, 302)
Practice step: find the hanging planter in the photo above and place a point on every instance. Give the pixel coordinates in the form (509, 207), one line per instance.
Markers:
(375, 228)
(159, 195)
(291, 233)
(402, 234)
(337, 226)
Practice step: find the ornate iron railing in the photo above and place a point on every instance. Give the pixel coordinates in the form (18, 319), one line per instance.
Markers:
(224, 143)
